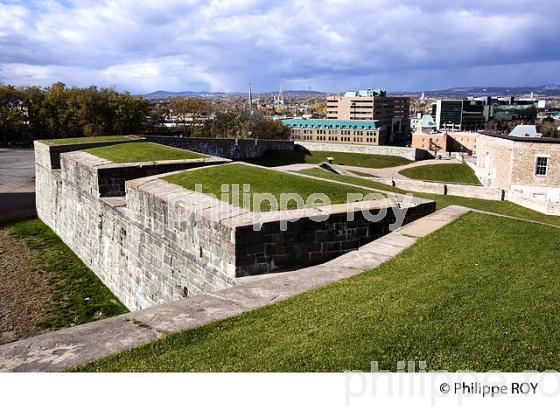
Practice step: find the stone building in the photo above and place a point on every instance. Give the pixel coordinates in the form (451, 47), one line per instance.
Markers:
(445, 142)
(527, 167)
(337, 131)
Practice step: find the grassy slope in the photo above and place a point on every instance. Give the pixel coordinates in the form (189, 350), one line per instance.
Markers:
(457, 173)
(261, 180)
(142, 151)
(78, 294)
(277, 158)
(481, 304)
(500, 207)
(83, 140)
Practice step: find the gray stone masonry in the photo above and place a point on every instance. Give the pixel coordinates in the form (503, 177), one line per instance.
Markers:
(49, 155)
(231, 148)
(405, 152)
(161, 242)
(76, 346)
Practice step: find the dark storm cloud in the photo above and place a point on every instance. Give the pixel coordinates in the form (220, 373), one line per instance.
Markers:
(328, 44)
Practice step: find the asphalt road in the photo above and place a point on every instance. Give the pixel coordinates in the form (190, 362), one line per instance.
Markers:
(17, 183)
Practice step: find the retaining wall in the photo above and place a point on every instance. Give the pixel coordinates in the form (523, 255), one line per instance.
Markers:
(161, 242)
(413, 154)
(468, 191)
(225, 147)
(543, 206)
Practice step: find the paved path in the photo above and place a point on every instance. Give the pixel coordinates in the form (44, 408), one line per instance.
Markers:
(78, 345)
(295, 167)
(391, 172)
(17, 183)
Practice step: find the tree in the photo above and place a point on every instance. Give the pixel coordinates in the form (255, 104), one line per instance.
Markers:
(58, 111)
(190, 112)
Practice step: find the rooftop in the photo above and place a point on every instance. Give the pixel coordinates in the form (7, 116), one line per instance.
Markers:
(313, 123)
(525, 131)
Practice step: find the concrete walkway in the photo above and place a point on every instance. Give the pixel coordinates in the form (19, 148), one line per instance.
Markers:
(391, 172)
(78, 345)
(17, 183)
(295, 167)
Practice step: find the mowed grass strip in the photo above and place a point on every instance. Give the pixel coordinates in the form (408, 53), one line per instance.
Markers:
(277, 158)
(87, 140)
(453, 173)
(142, 152)
(78, 295)
(261, 181)
(505, 208)
(467, 297)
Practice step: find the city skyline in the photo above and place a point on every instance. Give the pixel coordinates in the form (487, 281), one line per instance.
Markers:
(331, 46)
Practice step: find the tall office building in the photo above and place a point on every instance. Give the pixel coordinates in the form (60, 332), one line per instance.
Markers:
(471, 114)
(372, 104)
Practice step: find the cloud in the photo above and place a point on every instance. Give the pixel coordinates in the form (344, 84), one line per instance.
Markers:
(221, 45)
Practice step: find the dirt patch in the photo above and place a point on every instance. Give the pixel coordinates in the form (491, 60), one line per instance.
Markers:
(25, 294)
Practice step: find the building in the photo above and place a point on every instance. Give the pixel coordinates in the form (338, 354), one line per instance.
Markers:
(528, 168)
(424, 123)
(339, 131)
(463, 115)
(473, 113)
(445, 142)
(369, 105)
(510, 109)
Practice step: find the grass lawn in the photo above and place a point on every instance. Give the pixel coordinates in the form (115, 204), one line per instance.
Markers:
(456, 173)
(261, 180)
(500, 207)
(85, 140)
(78, 294)
(277, 158)
(481, 304)
(141, 152)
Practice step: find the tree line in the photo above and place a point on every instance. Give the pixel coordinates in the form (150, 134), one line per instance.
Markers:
(58, 111)
(29, 113)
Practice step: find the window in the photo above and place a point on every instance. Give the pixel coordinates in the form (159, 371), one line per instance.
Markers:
(542, 166)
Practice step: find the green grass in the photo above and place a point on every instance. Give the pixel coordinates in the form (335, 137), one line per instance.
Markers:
(316, 172)
(455, 173)
(261, 180)
(467, 297)
(141, 152)
(500, 207)
(78, 294)
(278, 158)
(85, 140)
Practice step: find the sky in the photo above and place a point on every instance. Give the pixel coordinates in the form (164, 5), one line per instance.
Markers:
(326, 45)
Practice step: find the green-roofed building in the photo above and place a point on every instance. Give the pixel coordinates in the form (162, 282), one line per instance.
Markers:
(370, 132)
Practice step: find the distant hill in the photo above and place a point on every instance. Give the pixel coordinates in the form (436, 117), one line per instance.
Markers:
(542, 90)
(167, 94)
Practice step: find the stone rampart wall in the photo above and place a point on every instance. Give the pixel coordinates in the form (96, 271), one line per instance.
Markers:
(225, 147)
(405, 152)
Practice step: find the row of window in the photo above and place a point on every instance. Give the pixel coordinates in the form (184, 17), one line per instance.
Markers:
(335, 139)
(331, 132)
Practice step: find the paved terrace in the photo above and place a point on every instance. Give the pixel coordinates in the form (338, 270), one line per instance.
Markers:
(75, 346)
